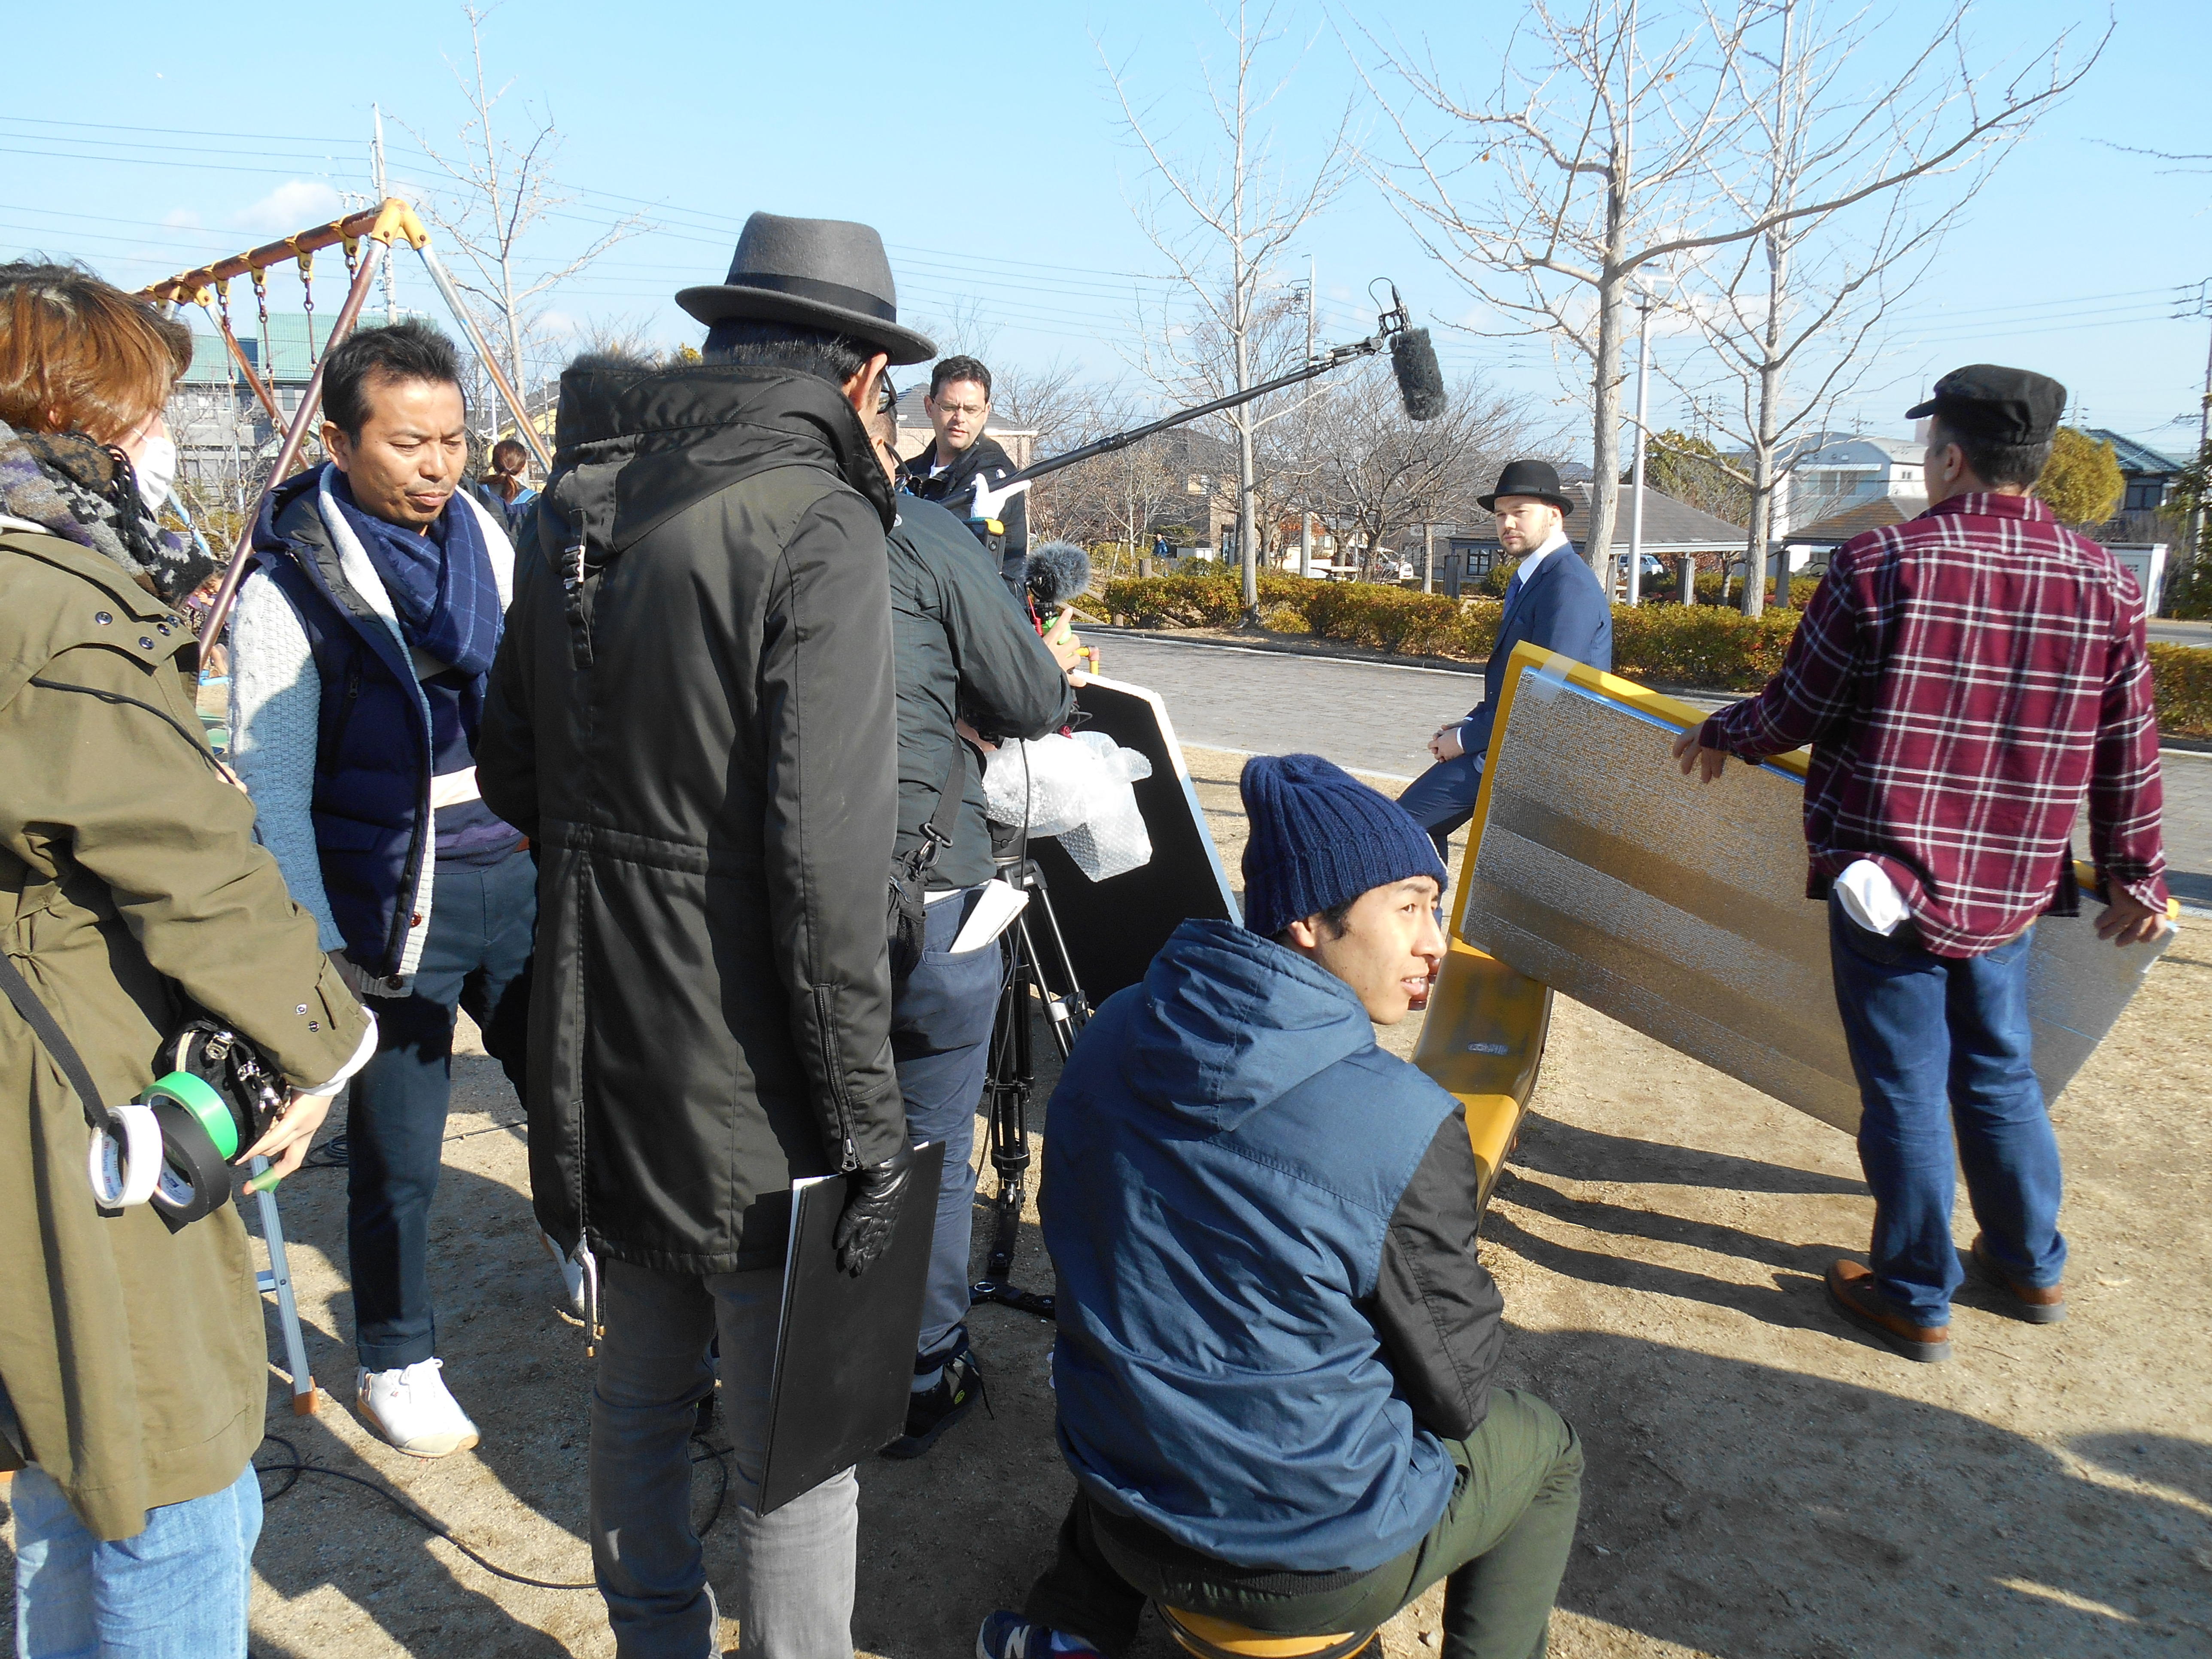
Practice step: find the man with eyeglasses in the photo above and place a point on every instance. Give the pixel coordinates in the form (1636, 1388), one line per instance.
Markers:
(958, 405)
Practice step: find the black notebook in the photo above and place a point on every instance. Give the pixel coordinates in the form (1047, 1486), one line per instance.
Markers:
(844, 1347)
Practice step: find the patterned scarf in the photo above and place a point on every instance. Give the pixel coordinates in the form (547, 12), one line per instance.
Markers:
(441, 584)
(86, 493)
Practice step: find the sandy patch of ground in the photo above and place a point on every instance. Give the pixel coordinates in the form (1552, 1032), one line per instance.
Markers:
(1761, 1482)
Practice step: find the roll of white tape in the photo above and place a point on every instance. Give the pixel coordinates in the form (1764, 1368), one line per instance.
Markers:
(124, 1176)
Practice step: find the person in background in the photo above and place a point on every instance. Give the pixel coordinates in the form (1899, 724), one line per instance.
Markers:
(1966, 680)
(1554, 601)
(505, 488)
(963, 657)
(1276, 1368)
(694, 718)
(133, 1360)
(960, 456)
(359, 652)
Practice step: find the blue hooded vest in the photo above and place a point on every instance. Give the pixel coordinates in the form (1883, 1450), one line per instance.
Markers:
(1227, 1146)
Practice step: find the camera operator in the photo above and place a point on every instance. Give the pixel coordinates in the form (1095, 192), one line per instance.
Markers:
(959, 407)
(959, 651)
(133, 1364)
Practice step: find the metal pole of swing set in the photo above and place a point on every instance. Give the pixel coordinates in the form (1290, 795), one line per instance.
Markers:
(1643, 403)
(523, 428)
(373, 253)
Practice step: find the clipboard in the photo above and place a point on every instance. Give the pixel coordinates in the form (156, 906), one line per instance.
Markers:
(844, 1347)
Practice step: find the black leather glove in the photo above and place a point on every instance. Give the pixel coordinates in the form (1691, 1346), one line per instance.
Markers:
(871, 1211)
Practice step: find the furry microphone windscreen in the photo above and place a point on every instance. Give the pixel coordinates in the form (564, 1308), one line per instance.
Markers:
(1057, 572)
(1420, 379)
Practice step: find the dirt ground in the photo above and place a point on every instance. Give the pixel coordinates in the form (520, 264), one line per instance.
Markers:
(1761, 1480)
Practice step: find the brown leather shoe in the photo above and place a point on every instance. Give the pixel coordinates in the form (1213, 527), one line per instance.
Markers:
(2044, 1306)
(1859, 1299)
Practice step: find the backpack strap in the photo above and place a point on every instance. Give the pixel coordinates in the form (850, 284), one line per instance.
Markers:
(49, 1032)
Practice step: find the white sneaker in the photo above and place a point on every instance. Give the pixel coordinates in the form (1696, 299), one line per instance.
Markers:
(572, 1274)
(410, 1410)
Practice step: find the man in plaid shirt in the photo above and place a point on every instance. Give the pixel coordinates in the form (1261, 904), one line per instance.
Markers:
(1964, 679)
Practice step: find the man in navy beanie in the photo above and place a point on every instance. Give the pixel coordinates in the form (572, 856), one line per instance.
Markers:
(1276, 1341)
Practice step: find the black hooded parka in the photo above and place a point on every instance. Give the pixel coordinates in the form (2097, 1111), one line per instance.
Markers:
(691, 717)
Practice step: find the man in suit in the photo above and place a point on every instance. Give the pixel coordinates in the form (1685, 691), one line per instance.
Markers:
(1553, 600)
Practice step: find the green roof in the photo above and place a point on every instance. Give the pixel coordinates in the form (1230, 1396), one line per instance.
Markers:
(288, 348)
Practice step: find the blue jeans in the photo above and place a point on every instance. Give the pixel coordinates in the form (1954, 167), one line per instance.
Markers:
(941, 1020)
(178, 1590)
(483, 919)
(794, 1582)
(1939, 1044)
(1442, 799)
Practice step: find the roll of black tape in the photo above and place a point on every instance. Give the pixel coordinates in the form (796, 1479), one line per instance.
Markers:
(195, 1181)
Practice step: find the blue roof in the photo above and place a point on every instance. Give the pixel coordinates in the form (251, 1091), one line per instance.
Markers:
(2135, 458)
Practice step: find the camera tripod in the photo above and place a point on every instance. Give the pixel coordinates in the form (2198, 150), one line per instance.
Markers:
(1013, 1074)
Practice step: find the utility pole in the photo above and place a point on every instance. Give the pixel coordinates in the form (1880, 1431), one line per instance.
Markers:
(1306, 514)
(376, 171)
(1643, 405)
(2204, 450)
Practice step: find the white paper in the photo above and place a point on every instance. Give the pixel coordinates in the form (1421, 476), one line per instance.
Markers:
(996, 906)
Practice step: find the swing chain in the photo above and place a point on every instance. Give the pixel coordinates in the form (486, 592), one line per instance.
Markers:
(353, 261)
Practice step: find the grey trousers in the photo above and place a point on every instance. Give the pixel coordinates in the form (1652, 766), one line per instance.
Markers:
(794, 1585)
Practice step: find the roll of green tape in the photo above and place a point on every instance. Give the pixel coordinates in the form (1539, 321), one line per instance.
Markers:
(207, 1108)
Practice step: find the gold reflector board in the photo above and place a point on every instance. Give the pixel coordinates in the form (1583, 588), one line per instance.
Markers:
(1680, 909)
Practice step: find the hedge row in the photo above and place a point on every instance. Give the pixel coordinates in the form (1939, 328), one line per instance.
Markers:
(2183, 675)
(1700, 645)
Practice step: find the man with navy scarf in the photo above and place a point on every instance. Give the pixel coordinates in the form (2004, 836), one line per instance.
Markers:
(1554, 601)
(360, 649)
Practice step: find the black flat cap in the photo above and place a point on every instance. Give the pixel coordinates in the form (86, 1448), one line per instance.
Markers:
(1536, 478)
(1997, 405)
(825, 273)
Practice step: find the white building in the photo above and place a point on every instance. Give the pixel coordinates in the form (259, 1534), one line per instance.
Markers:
(1836, 473)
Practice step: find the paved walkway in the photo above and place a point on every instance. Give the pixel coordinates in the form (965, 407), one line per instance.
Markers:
(1378, 717)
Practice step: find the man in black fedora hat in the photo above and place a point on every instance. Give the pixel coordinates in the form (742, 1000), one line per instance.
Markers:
(691, 716)
(1553, 600)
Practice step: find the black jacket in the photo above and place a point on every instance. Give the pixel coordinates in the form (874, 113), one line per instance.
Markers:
(955, 489)
(961, 649)
(691, 716)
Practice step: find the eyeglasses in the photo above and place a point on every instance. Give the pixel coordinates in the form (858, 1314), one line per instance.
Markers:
(887, 395)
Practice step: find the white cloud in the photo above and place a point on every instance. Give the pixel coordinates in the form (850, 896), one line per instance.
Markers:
(293, 205)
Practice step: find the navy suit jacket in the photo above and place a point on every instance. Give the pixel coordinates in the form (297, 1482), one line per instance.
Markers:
(1562, 607)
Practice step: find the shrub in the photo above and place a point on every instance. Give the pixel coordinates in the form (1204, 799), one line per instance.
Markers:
(1699, 644)
(2183, 676)
(1802, 589)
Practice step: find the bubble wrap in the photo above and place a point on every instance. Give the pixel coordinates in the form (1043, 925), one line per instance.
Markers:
(1077, 789)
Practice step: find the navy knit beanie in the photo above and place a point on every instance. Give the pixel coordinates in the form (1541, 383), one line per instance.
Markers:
(1320, 836)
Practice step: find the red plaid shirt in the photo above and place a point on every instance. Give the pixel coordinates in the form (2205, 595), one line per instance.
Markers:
(1964, 679)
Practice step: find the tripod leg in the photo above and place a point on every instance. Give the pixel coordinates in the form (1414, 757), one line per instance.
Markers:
(1012, 1075)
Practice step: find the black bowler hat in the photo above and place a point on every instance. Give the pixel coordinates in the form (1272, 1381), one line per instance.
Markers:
(823, 273)
(1536, 478)
(1999, 405)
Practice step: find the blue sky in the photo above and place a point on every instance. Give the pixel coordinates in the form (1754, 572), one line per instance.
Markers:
(983, 140)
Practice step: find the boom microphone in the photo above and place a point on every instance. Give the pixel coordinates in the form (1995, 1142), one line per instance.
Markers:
(1420, 379)
(1057, 572)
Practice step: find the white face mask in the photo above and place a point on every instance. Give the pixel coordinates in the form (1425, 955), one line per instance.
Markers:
(156, 469)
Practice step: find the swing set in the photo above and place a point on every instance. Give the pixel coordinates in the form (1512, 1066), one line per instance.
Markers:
(366, 240)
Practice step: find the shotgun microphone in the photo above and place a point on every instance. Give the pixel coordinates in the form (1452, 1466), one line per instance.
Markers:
(1420, 379)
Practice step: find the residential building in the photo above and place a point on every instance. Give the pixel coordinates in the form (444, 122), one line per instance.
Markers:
(2150, 476)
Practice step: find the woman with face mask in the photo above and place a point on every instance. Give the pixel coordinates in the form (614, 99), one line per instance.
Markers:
(133, 1363)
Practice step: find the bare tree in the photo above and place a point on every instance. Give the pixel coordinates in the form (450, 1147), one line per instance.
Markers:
(1795, 315)
(1374, 472)
(1224, 220)
(1603, 153)
(500, 191)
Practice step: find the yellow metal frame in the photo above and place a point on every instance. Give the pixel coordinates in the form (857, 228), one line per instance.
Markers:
(1209, 1638)
(393, 221)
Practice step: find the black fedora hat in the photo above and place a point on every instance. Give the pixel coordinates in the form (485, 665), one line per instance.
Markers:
(1536, 478)
(824, 273)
